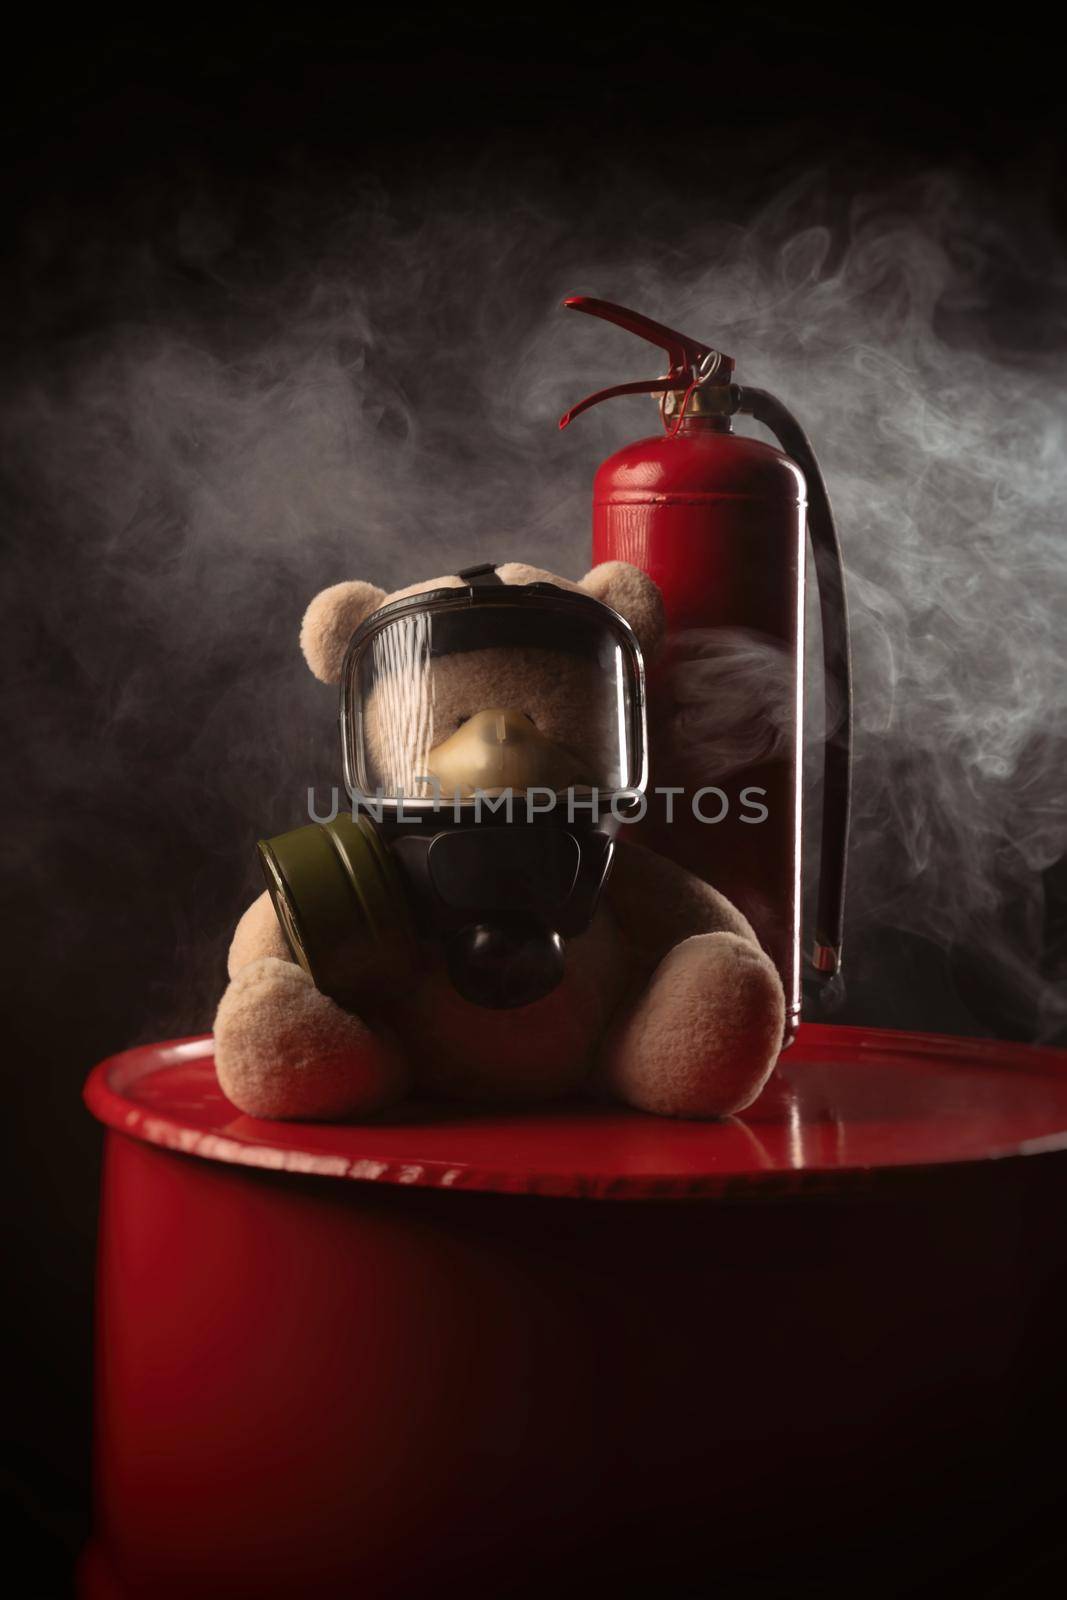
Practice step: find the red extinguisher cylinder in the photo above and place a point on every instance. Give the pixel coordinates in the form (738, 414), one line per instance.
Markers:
(718, 521)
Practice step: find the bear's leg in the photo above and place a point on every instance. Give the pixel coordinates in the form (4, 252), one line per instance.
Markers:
(702, 1039)
(282, 1049)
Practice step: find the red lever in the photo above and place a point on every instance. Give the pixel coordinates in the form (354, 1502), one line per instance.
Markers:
(692, 363)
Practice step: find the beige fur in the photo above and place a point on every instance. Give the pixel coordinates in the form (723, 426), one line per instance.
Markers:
(634, 596)
(668, 1002)
(535, 1052)
(660, 904)
(330, 621)
(258, 934)
(702, 1039)
(282, 1049)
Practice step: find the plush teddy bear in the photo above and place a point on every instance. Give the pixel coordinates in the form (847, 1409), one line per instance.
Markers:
(667, 1002)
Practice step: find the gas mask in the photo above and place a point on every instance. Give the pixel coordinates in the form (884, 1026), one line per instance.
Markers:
(493, 739)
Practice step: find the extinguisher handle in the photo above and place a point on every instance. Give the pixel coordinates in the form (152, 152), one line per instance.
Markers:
(684, 353)
(690, 361)
(642, 386)
(837, 663)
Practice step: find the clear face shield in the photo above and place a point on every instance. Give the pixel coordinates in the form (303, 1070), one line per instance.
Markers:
(459, 694)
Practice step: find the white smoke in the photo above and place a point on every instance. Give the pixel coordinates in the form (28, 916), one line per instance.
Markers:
(732, 702)
(373, 392)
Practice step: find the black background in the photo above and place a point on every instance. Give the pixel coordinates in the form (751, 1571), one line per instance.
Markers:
(103, 124)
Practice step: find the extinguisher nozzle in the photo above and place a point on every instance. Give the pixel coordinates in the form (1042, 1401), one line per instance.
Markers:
(831, 997)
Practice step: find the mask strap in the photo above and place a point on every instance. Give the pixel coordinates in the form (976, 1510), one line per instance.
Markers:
(482, 577)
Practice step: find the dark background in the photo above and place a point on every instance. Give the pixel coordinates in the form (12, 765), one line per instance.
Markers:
(108, 131)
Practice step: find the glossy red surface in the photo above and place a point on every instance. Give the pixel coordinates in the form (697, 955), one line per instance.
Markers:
(843, 1102)
(701, 464)
(402, 1385)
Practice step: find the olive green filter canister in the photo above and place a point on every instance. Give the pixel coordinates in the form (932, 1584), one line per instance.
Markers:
(342, 906)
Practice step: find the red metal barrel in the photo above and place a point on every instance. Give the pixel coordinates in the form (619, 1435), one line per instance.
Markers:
(578, 1346)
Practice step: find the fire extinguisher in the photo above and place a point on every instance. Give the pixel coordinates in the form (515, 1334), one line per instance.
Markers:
(717, 520)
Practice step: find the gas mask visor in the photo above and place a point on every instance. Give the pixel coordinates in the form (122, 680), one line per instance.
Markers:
(490, 691)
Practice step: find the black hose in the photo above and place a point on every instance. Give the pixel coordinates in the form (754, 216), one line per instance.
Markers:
(833, 609)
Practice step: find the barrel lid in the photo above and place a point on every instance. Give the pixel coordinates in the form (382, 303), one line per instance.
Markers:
(846, 1106)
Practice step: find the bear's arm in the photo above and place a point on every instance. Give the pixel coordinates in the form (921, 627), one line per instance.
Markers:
(257, 934)
(658, 904)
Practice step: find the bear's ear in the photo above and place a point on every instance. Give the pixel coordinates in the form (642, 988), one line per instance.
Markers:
(329, 623)
(634, 596)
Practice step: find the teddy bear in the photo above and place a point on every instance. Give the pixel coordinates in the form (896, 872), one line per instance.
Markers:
(667, 1003)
